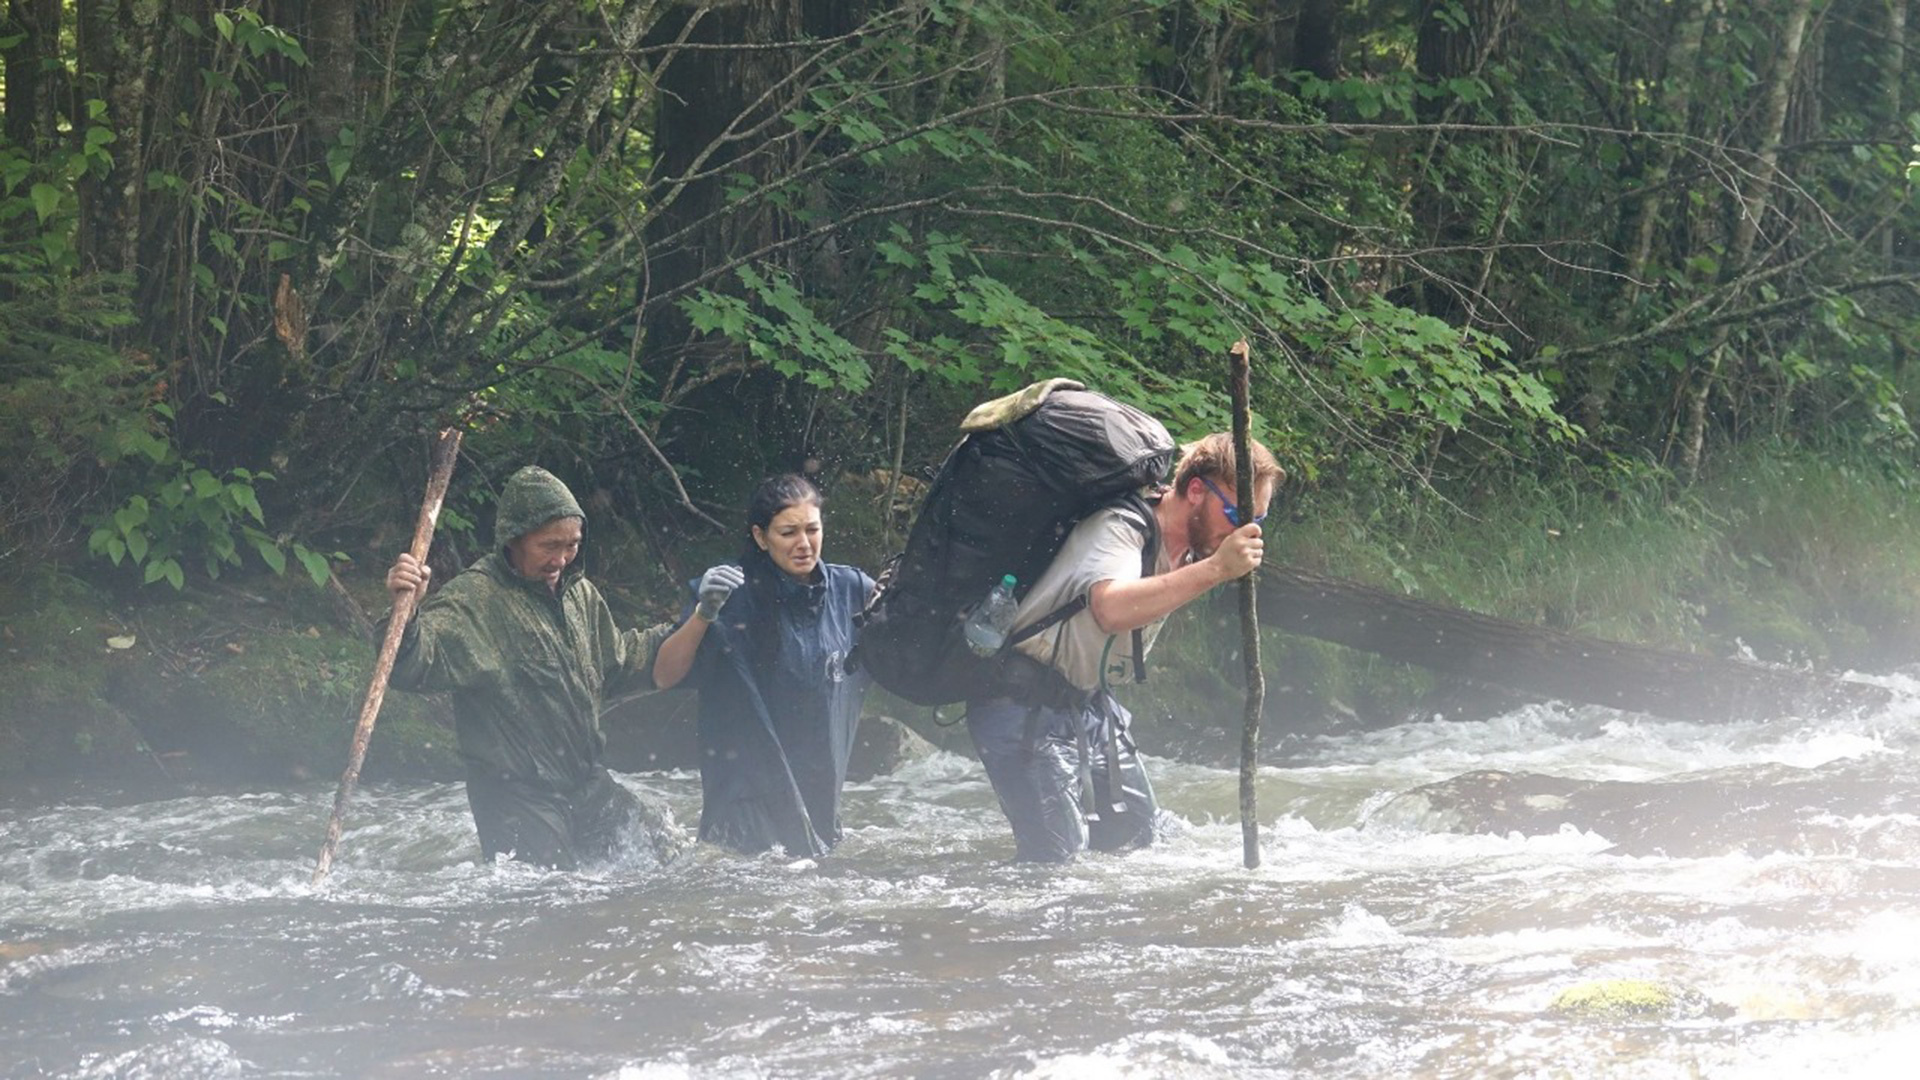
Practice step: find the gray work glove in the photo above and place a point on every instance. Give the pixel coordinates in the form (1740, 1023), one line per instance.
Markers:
(715, 586)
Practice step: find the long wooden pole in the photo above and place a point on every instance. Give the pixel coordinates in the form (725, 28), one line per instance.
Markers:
(1240, 367)
(445, 450)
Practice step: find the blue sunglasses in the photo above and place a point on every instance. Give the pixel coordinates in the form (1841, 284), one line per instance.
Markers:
(1233, 511)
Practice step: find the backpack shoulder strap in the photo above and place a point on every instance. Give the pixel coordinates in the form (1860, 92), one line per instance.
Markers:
(1138, 510)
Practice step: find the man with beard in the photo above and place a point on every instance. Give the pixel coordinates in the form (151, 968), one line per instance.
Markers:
(1054, 741)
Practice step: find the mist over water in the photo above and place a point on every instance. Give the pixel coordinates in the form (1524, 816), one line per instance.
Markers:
(1427, 892)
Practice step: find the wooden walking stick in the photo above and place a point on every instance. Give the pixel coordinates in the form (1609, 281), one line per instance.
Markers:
(445, 449)
(1240, 369)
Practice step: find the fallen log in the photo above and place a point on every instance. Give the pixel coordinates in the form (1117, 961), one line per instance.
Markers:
(1539, 659)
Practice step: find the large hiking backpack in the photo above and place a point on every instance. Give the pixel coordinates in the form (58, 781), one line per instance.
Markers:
(1030, 466)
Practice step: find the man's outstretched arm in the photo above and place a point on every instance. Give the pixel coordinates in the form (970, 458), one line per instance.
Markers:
(1119, 606)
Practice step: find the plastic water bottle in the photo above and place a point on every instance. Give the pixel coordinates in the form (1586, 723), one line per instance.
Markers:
(987, 628)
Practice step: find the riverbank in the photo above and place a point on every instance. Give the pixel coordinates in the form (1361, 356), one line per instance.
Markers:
(256, 681)
(1782, 555)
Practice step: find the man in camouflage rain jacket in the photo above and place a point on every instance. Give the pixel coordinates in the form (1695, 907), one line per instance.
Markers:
(529, 649)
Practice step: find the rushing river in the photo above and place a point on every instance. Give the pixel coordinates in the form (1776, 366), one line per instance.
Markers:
(1416, 915)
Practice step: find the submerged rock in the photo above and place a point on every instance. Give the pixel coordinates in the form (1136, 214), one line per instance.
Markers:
(1638, 999)
(281, 706)
(208, 686)
(882, 746)
(1754, 809)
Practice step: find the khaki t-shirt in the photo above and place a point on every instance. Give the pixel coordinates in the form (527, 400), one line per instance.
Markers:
(1103, 547)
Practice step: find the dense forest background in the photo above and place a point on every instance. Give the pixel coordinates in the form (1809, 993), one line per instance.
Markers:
(1595, 312)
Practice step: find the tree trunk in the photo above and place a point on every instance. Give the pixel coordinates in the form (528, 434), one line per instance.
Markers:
(1190, 36)
(708, 97)
(1893, 58)
(1550, 662)
(1456, 40)
(332, 68)
(124, 34)
(32, 66)
(1676, 79)
(1316, 38)
(1755, 199)
(1893, 73)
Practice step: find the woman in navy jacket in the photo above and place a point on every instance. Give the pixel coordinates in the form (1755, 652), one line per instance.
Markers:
(766, 644)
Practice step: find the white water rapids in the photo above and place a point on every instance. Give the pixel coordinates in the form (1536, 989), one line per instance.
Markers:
(1767, 874)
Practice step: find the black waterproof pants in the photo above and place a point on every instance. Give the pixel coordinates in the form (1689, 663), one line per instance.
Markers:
(1032, 756)
(561, 829)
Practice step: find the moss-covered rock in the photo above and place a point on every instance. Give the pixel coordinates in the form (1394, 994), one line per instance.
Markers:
(220, 686)
(1630, 999)
(55, 721)
(276, 702)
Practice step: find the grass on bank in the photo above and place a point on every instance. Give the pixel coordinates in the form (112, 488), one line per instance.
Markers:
(1794, 557)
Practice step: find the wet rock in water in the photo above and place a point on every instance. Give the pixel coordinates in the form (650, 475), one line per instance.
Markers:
(1632, 999)
(1752, 809)
(281, 707)
(20, 950)
(883, 745)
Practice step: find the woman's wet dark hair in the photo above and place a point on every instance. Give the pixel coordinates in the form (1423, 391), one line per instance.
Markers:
(775, 493)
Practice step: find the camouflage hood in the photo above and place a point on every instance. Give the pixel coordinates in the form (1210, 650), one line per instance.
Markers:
(533, 497)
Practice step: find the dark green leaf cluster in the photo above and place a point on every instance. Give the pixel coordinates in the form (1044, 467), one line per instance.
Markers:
(662, 247)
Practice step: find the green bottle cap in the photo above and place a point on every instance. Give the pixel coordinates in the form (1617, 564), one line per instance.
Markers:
(1008, 581)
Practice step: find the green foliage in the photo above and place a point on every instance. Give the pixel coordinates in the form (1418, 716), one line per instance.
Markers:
(247, 30)
(64, 395)
(80, 414)
(1372, 98)
(1486, 269)
(1438, 254)
(1608, 550)
(70, 403)
(788, 337)
(184, 512)
(39, 190)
